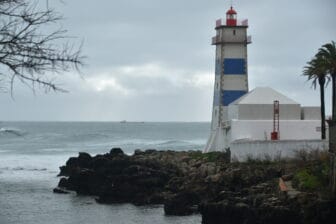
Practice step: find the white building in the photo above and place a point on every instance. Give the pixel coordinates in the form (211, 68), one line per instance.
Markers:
(251, 117)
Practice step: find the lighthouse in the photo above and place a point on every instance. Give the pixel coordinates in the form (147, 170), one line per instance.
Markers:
(243, 120)
(231, 76)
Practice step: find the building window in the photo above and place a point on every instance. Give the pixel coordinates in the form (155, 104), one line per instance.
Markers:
(234, 32)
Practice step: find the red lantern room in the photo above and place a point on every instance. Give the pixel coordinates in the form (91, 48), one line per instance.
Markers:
(231, 17)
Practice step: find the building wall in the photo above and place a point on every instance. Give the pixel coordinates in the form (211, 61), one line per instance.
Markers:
(233, 82)
(214, 121)
(311, 113)
(265, 112)
(284, 148)
(233, 112)
(234, 51)
(233, 34)
(261, 129)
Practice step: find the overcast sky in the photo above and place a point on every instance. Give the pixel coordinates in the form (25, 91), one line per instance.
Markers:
(151, 60)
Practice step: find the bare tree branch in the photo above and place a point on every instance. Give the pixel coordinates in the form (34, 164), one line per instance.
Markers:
(27, 54)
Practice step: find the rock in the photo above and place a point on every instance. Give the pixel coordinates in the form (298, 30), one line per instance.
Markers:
(63, 171)
(184, 203)
(214, 178)
(277, 215)
(59, 190)
(156, 199)
(287, 177)
(116, 152)
(71, 165)
(87, 182)
(100, 163)
(84, 157)
(138, 152)
(63, 182)
(84, 160)
(189, 182)
(226, 212)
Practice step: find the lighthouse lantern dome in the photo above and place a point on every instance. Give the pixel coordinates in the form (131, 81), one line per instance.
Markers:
(231, 17)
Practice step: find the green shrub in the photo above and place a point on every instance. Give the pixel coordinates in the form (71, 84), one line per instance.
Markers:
(306, 181)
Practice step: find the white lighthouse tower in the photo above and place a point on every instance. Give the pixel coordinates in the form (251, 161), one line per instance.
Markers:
(231, 80)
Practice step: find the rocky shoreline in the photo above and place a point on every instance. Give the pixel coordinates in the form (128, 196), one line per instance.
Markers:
(192, 182)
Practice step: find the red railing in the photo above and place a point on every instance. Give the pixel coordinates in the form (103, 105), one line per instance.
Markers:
(222, 22)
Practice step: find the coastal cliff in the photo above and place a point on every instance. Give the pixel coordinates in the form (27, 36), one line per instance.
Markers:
(191, 182)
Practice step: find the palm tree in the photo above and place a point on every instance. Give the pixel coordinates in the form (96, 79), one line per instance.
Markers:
(317, 72)
(328, 52)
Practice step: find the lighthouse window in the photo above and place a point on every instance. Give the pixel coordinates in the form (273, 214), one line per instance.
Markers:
(234, 32)
(217, 85)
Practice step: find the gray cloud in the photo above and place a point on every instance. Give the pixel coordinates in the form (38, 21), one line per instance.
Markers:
(152, 59)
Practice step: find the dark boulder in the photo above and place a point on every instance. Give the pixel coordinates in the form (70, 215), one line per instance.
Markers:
(63, 171)
(59, 190)
(70, 166)
(75, 163)
(116, 152)
(226, 212)
(184, 203)
(84, 159)
(63, 183)
(87, 182)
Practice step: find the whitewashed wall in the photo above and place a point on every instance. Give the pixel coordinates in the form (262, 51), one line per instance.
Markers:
(265, 112)
(261, 129)
(286, 148)
(311, 113)
(227, 34)
(235, 82)
(234, 50)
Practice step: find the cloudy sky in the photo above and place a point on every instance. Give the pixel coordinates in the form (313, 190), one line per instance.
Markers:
(151, 60)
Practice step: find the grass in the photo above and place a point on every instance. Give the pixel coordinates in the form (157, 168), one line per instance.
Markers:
(211, 156)
(304, 155)
(312, 170)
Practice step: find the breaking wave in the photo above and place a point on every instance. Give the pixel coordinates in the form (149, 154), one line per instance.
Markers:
(20, 168)
(11, 131)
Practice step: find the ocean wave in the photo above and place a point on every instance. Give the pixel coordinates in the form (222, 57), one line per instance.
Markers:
(161, 142)
(86, 136)
(173, 142)
(11, 131)
(59, 149)
(20, 168)
(196, 142)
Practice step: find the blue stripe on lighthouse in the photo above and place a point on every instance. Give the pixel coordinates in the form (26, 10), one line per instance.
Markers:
(234, 66)
(231, 95)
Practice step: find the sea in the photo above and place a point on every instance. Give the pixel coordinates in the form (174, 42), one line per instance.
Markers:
(32, 152)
